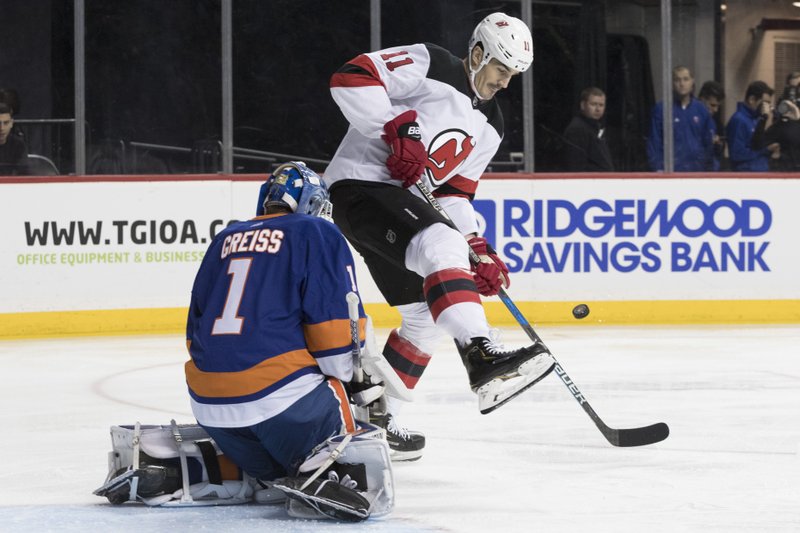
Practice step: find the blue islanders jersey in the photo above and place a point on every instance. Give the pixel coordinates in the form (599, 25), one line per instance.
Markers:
(268, 319)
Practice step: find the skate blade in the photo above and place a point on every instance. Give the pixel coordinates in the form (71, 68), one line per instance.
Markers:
(503, 389)
(399, 457)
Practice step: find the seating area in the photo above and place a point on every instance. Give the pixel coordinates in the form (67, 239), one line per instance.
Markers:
(39, 165)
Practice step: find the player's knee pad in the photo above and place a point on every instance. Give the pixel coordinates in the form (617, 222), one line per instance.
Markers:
(170, 465)
(437, 247)
(358, 460)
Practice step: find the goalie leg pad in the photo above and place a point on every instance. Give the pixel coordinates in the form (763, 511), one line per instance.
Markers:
(378, 368)
(148, 463)
(118, 488)
(362, 464)
(151, 480)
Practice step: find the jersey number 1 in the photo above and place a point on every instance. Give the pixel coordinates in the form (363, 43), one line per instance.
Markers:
(230, 323)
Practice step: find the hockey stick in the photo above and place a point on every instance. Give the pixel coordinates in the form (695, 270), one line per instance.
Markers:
(352, 311)
(360, 413)
(369, 362)
(618, 437)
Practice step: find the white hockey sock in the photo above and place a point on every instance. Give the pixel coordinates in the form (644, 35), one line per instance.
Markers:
(464, 321)
(394, 405)
(418, 327)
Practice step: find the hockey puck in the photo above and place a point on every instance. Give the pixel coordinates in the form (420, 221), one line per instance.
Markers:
(580, 311)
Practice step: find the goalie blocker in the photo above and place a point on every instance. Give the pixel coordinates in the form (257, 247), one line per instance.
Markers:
(348, 478)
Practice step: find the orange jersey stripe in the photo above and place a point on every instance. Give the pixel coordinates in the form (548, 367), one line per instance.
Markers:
(331, 334)
(228, 468)
(344, 404)
(250, 381)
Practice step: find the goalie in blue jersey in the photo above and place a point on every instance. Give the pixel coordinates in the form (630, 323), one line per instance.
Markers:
(271, 351)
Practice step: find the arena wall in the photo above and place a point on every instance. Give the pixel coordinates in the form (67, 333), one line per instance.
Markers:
(118, 254)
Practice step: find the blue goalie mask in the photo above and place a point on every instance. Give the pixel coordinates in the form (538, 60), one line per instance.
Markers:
(297, 187)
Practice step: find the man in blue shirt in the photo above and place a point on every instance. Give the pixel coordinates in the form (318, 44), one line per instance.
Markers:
(754, 112)
(712, 95)
(693, 129)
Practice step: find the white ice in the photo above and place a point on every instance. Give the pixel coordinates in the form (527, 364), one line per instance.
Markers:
(731, 396)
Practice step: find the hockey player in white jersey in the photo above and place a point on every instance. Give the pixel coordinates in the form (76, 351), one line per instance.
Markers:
(419, 112)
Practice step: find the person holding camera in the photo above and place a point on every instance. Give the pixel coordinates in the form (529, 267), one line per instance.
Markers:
(792, 89)
(752, 114)
(785, 131)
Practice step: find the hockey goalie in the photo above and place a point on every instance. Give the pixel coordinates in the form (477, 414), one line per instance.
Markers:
(273, 348)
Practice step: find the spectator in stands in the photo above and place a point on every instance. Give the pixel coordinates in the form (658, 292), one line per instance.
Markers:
(791, 91)
(13, 152)
(10, 98)
(586, 149)
(692, 129)
(712, 94)
(785, 131)
(755, 112)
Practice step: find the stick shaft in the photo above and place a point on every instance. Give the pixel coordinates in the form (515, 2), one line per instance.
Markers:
(352, 311)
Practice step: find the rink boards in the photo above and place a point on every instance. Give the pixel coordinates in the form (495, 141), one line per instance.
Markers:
(112, 254)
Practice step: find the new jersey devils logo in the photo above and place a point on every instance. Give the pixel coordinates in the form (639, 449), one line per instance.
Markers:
(446, 152)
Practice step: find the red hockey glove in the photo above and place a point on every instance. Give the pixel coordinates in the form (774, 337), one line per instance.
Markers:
(407, 160)
(491, 272)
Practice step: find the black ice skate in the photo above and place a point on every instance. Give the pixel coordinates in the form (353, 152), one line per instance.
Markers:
(499, 375)
(404, 445)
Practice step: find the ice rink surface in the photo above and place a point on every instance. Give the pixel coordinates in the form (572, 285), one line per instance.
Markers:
(731, 396)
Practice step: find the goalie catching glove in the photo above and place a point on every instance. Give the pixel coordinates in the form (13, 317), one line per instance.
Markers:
(491, 272)
(407, 160)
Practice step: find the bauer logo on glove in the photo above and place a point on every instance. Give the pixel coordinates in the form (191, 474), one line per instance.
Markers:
(407, 161)
(412, 131)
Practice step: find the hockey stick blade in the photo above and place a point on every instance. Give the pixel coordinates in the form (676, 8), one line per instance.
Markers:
(623, 438)
(636, 436)
(617, 437)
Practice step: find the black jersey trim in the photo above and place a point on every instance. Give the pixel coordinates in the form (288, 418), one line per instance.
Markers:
(446, 189)
(449, 69)
(349, 68)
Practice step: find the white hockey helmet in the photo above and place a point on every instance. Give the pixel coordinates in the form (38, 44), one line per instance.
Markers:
(506, 39)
